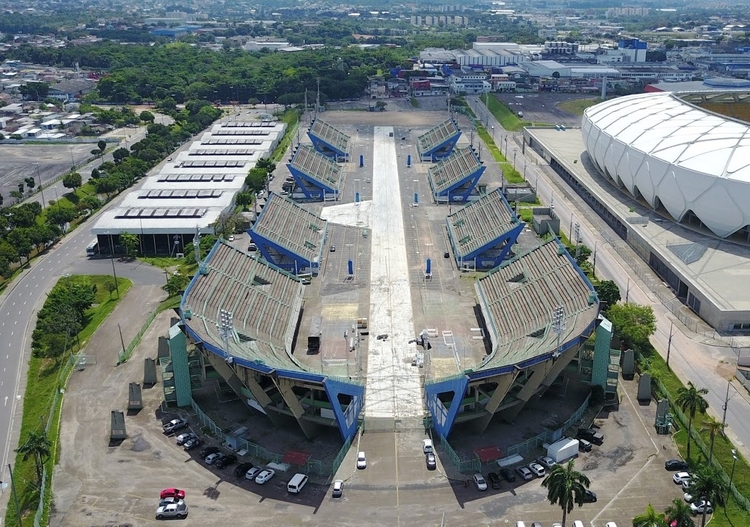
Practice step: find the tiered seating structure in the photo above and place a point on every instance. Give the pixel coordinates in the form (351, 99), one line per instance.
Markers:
(438, 142)
(485, 230)
(264, 301)
(519, 298)
(455, 177)
(329, 141)
(289, 236)
(316, 175)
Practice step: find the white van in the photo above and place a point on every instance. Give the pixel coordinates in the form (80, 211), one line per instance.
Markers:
(297, 483)
(427, 446)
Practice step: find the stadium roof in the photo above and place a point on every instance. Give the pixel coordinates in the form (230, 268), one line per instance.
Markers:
(518, 300)
(264, 301)
(480, 223)
(453, 170)
(288, 225)
(317, 167)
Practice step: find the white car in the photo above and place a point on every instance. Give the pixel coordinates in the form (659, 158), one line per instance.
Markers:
(174, 424)
(679, 477)
(213, 457)
(537, 469)
(231, 238)
(264, 476)
(427, 446)
(184, 438)
(699, 506)
(338, 488)
(361, 461)
(172, 510)
(688, 497)
(547, 462)
(525, 473)
(253, 472)
(610, 524)
(480, 482)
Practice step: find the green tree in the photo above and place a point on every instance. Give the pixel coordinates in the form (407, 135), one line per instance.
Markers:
(130, 242)
(679, 513)
(649, 518)
(706, 484)
(36, 445)
(691, 401)
(633, 323)
(102, 145)
(608, 293)
(146, 116)
(35, 90)
(176, 284)
(72, 180)
(713, 427)
(566, 487)
(256, 179)
(30, 182)
(61, 213)
(120, 154)
(243, 199)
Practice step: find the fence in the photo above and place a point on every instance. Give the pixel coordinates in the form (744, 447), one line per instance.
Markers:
(662, 390)
(123, 356)
(312, 466)
(522, 449)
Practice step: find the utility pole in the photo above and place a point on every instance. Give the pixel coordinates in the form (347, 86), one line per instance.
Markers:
(593, 272)
(627, 292)
(669, 342)
(725, 405)
(122, 341)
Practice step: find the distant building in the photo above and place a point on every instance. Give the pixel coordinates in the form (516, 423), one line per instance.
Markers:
(71, 90)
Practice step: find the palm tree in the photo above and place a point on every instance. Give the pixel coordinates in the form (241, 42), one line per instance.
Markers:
(691, 400)
(680, 513)
(706, 484)
(565, 487)
(713, 428)
(38, 446)
(649, 518)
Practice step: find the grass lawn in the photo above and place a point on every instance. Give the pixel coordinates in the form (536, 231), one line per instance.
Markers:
(504, 115)
(46, 378)
(511, 174)
(577, 106)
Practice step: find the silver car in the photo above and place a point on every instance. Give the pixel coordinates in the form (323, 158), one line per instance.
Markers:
(172, 510)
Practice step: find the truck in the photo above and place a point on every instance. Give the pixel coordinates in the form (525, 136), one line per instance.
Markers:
(313, 338)
(563, 449)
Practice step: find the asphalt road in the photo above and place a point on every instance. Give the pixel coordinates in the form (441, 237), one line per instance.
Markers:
(693, 358)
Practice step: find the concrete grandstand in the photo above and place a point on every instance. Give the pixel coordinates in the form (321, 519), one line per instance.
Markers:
(482, 233)
(438, 142)
(454, 178)
(317, 176)
(329, 141)
(289, 236)
(243, 314)
(537, 309)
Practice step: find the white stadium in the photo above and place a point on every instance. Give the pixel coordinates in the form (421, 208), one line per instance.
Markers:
(674, 155)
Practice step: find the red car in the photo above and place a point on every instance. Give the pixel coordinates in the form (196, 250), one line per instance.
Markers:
(172, 493)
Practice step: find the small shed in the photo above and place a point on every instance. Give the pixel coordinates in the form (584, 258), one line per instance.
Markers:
(149, 372)
(117, 426)
(135, 400)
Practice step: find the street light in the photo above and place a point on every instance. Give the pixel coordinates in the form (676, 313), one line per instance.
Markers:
(515, 151)
(112, 257)
(731, 477)
(41, 188)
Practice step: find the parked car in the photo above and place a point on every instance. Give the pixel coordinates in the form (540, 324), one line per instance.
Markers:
(172, 493)
(699, 506)
(688, 497)
(507, 475)
(225, 461)
(253, 472)
(577, 523)
(192, 443)
(431, 461)
(537, 469)
(610, 524)
(264, 476)
(338, 488)
(174, 425)
(679, 477)
(547, 462)
(207, 451)
(589, 497)
(686, 485)
(241, 469)
(252, 247)
(676, 464)
(494, 480)
(213, 458)
(173, 510)
(361, 461)
(584, 446)
(591, 434)
(333, 248)
(184, 438)
(168, 500)
(525, 473)
(480, 482)
(427, 446)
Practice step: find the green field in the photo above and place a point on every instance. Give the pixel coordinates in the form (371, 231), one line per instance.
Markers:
(577, 106)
